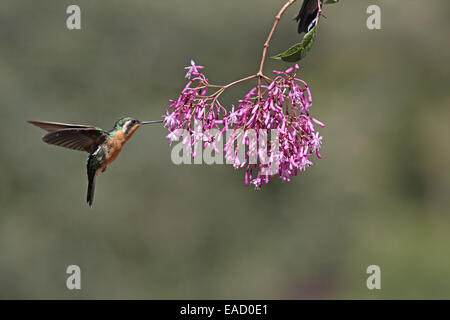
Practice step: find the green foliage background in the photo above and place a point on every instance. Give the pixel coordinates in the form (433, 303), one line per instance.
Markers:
(160, 231)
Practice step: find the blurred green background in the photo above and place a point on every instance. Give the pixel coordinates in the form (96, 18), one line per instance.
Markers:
(159, 231)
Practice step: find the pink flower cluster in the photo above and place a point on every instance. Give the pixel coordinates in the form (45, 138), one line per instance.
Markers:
(279, 107)
(194, 112)
(283, 105)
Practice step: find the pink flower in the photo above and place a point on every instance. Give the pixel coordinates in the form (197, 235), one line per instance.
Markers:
(316, 142)
(193, 70)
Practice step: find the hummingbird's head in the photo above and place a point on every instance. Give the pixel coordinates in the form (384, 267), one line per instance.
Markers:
(127, 125)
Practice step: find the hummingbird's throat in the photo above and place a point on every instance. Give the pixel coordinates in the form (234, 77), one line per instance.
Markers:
(115, 144)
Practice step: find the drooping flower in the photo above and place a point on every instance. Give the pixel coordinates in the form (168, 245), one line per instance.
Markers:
(281, 107)
(270, 132)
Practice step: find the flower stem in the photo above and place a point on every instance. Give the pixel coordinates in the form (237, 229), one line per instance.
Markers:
(260, 74)
(239, 81)
(267, 43)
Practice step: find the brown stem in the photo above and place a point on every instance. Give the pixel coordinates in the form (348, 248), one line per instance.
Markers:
(260, 74)
(319, 12)
(239, 81)
(267, 43)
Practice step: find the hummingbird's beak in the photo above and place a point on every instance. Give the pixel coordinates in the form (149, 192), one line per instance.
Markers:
(153, 121)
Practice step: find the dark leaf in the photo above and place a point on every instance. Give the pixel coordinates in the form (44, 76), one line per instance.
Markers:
(298, 51)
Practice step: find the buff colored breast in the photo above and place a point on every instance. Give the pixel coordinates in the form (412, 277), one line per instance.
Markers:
(115, 145)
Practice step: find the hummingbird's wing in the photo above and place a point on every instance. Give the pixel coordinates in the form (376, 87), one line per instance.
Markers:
(54, 126)
(83, 139)
(307, 15)
(72, 136)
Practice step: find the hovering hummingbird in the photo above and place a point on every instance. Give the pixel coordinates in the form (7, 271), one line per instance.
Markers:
(307, 16)
(103, 146)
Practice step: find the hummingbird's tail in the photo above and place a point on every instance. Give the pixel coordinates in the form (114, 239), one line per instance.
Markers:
(91, 187)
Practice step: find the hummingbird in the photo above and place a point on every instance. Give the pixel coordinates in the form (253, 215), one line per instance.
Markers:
(103, 146)
(307, 16)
